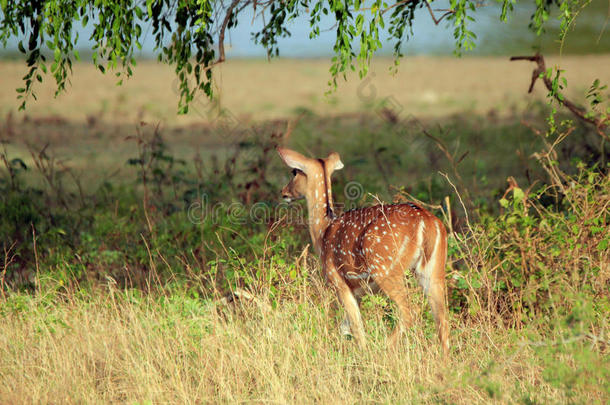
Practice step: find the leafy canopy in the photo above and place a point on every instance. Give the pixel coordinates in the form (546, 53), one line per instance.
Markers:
(189, 34)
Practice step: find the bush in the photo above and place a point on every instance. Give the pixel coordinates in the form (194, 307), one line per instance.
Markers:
(519, 267)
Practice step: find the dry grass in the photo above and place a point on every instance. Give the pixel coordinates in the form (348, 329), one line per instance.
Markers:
(117, 346)
(257, 90)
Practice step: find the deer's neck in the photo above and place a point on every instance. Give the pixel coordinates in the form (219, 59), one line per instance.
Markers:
(320, 208)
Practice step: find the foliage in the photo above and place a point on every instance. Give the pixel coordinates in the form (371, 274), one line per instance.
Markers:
(114, 344)
(190, 220)
(202, 222)
(185, 32)
(123, 292)
(518, 267)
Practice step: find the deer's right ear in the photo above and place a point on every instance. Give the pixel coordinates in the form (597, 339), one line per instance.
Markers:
(293, 159)
(334, 161)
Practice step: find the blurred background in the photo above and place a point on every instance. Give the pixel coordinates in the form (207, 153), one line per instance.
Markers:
(472, 100)
(397, 130)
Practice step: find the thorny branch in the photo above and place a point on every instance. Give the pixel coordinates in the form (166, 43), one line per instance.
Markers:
(600, 123)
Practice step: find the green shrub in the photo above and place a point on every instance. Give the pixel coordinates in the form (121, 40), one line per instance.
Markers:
(520, 265)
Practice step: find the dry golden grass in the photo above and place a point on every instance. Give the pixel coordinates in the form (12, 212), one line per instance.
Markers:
(118, 347)
(255, 90)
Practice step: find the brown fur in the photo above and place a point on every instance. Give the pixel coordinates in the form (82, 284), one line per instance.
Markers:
(369, 249)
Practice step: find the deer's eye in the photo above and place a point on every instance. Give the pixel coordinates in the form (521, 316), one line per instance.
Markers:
(295, 171)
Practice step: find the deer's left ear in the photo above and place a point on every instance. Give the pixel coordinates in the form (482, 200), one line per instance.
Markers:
(333, 162)
(294, 159)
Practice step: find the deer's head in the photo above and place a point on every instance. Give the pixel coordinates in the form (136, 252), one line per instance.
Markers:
(311, 177)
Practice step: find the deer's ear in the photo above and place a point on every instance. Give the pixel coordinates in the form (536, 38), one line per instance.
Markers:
(294, 159)
(333, 162)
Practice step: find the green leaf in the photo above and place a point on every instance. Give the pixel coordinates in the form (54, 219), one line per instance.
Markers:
(518, 194)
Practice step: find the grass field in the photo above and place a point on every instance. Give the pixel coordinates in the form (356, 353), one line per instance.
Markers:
(257, 90)
(475, 103)
(121, 242)
(118, 346)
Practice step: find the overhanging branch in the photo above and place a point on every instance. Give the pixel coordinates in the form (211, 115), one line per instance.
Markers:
(600, 122)
(221, 35)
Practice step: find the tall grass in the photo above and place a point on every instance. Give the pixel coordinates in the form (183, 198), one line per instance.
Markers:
(115, 345)
(118, 296)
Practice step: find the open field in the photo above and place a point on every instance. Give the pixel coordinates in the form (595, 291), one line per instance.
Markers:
(121, 347)
(120, 241)
(475, 103)
(254, 90)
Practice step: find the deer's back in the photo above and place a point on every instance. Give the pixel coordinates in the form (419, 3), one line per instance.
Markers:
(378, 241)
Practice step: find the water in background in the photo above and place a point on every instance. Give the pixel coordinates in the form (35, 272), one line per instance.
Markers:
(494, 37)
(591, 34)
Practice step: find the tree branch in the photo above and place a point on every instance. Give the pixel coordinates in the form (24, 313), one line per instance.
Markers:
(437, 22)
(221, 36)
(398, 3)
(600, 123)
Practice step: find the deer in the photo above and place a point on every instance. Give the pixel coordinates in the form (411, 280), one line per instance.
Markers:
(368, 250)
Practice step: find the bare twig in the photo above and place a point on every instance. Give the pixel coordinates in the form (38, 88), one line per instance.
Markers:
(221, 36)
(459, 197)
(398, 3)
(418, 201)
(8, 259)
(600, 123)
(452, 160)
(37, 282)
(438, 21)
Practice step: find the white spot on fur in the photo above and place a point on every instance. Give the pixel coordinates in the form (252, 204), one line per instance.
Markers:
(356, 276)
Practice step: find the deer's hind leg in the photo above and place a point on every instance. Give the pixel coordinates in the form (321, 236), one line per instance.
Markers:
(349, 302)
(431, 274)
(393, 285)
(366, 287)
(437, 299)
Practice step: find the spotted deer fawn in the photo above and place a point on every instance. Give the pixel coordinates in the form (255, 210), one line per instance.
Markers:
(369, 249)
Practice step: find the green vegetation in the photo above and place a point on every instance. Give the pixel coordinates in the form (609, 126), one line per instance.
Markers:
(117, 290)
(154, 271)
(190, 34)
